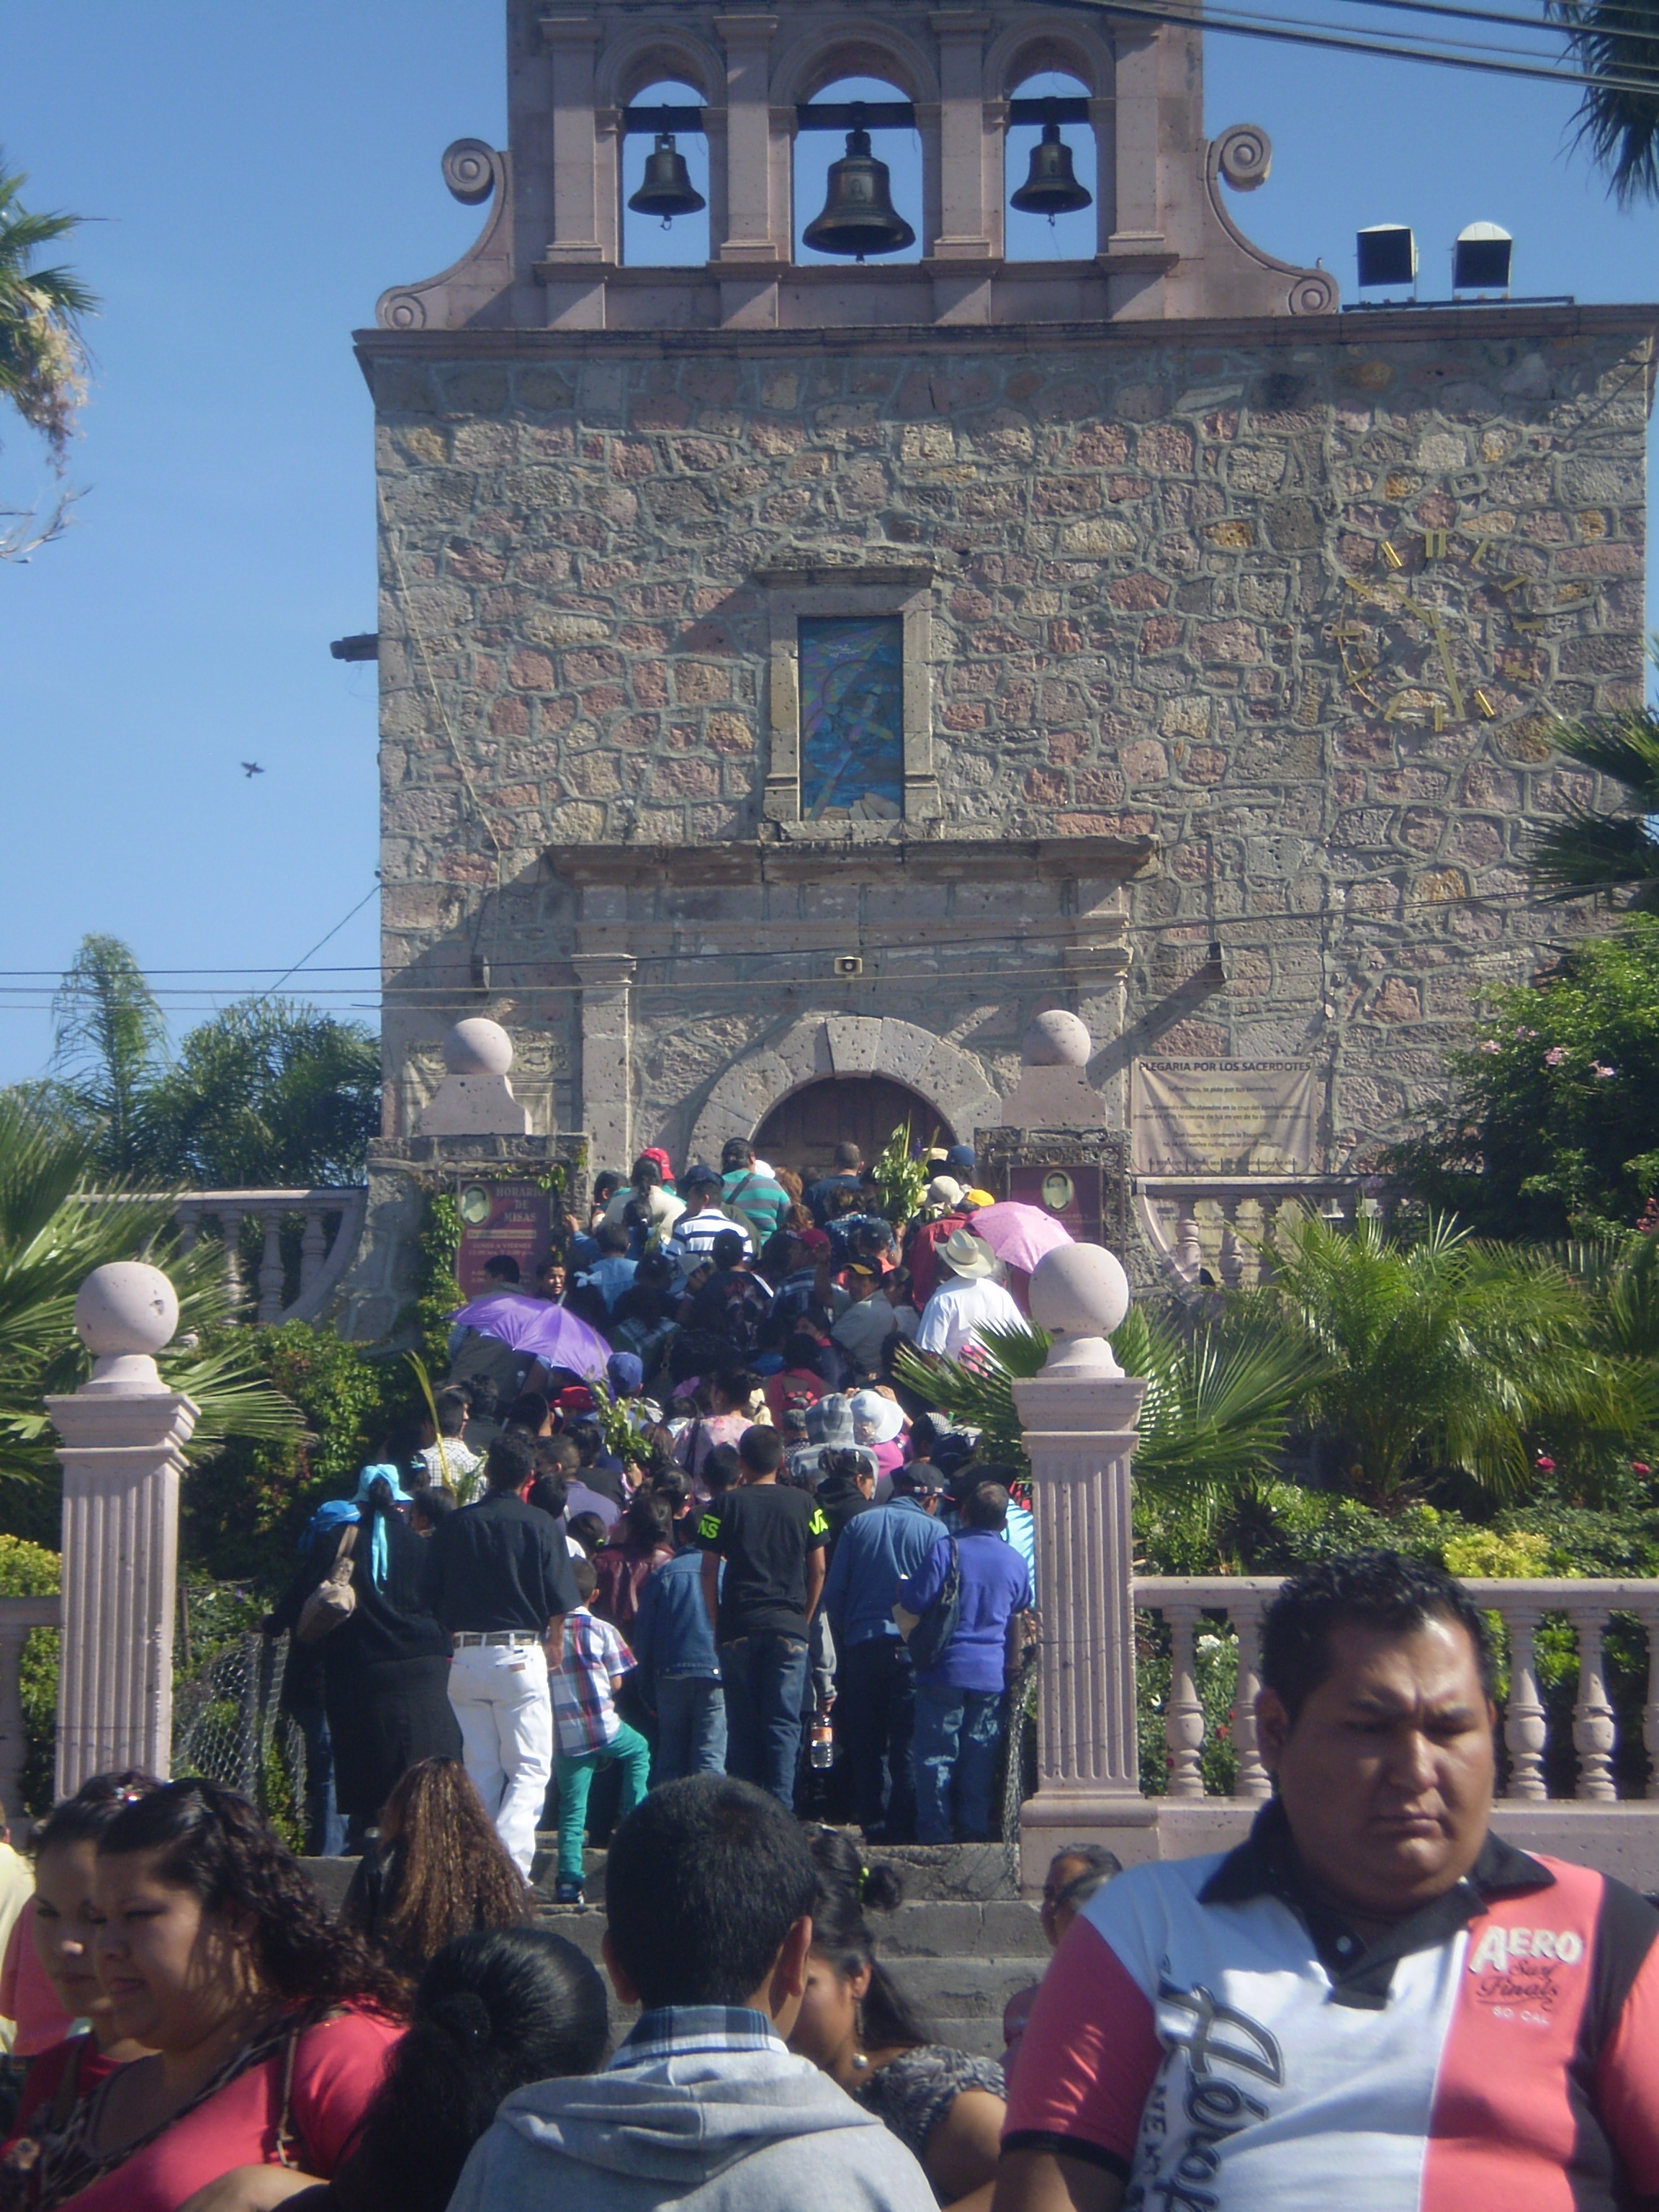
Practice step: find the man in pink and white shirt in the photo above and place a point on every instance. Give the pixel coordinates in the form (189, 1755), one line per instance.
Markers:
(1374, 2002)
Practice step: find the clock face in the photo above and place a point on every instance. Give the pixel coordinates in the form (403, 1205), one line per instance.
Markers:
(1447, 624)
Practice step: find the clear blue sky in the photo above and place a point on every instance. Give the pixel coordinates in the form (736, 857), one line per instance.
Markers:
(260, 175)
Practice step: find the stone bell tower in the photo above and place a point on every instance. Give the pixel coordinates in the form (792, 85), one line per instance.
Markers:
(799, 675)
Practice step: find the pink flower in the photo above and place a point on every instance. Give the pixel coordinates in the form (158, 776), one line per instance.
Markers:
(1640, 1467)
(1545, 1465)
(1490, 1044)
(1521, 1032)
(1602, 1074)
(1555, 1055)
(1649, 1225)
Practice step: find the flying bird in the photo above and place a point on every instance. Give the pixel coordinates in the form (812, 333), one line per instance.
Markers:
(252, 768)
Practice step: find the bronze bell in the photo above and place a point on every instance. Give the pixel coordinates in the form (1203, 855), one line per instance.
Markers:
(667, 189)
(859, 216)
(1050, 189)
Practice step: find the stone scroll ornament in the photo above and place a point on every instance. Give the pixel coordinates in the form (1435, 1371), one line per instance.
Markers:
(1243, 159)
(474, 172)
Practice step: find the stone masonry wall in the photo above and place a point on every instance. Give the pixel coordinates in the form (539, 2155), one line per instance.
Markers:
(1239, 588)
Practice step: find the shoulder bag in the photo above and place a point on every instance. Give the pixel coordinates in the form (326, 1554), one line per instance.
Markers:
(334, 1601)
(929, 1633)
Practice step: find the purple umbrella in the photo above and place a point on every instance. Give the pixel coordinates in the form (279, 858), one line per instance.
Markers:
(1019, 1234)
(557, 1338)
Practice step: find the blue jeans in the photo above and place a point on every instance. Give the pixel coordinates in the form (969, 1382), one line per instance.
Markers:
(326, 1831)
(574, 1777)
(690, 1728)
(765, 1680)
(956, 1738)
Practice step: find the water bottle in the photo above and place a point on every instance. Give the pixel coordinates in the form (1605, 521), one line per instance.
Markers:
(824, 1745)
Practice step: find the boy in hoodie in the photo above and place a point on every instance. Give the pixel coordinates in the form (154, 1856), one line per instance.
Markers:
(709, 1888)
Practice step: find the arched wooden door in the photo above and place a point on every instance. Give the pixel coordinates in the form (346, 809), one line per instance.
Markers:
(803, 1132)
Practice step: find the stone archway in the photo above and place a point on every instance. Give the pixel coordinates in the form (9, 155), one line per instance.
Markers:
(802, 1131)
(951, 1085)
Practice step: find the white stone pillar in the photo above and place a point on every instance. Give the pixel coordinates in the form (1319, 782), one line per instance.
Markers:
(753, 225)
(123, 1451)
(1079, 1419)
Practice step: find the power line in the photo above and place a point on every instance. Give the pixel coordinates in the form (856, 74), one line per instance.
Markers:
(1254, 27)
(322, 941)
(1643, 35)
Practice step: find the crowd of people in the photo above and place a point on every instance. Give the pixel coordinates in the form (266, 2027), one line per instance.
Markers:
(1372, 1998)
(747, 1548)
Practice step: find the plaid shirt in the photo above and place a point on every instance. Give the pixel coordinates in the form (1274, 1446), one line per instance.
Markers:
(670, 2031)
(584, 1716)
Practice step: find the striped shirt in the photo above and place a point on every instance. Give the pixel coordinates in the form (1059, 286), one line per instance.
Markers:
(585, 1718)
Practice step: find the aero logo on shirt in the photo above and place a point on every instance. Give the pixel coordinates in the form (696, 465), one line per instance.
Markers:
(817, 1526)
(1500, 1948)
(709, 1526)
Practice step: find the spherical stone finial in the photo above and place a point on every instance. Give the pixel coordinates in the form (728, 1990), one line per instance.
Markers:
(1079, 1294)
(125, 1307)
(1057, 1039)
(477, 1046)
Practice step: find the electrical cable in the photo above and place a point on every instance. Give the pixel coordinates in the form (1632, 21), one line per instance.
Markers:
(1245, 27)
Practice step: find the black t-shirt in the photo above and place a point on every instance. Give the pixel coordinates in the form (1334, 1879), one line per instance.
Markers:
(764, 1534)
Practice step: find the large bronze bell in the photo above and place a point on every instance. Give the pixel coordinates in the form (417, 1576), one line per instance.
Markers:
(667, 189)
(1050, 189)
(859, 216)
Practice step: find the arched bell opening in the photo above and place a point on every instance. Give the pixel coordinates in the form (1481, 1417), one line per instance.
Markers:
(1050, 171)
(858, 181)
(664, 179)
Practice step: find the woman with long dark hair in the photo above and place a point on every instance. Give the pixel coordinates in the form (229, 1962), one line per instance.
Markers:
(644, 1538)
(438, 1870)
(63, 1930)
(269, 2028)
(858, 2026)
(494, 2013)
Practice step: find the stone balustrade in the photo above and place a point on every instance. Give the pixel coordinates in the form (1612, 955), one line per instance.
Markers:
(1189, 1603)
(1214, 1226)
(322, 1257)
(18, 1615)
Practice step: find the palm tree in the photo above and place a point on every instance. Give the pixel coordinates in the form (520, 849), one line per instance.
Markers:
(42, 357)
(54, 1230)
(109, 1049)
(1442, 1353)
(1590, 855)
(1217, 1408)
(1618, 40)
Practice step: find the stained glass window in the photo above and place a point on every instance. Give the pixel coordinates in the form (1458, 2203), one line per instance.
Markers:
(852, 717)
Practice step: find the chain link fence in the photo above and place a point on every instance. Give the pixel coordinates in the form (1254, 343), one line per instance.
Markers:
(228, 1727)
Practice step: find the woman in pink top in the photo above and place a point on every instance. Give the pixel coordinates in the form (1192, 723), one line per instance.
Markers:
(49, 1982)
(879, 1427)
(271, 2029)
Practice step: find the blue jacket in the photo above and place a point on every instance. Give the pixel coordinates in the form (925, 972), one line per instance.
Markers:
(874, 1553)
(671, 1637)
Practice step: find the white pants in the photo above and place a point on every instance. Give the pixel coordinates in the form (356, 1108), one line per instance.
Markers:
(500, 1694)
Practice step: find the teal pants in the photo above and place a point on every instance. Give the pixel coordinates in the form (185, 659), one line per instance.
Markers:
(574, 1777)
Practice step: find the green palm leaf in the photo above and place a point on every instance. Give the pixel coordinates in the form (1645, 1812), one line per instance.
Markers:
(1588, 853)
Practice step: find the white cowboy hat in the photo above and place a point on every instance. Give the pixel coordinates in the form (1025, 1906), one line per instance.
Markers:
(965, 1254)
(875, 1420)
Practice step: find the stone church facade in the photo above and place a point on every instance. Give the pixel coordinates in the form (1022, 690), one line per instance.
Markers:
(1211, 637)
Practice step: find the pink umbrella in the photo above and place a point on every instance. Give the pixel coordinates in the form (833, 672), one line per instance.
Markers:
(1017, 1234)
(557, 1338)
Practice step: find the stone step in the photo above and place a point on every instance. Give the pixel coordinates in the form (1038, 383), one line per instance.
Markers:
(939, 1928)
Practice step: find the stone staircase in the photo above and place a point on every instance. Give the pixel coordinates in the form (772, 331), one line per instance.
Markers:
(960, 1945)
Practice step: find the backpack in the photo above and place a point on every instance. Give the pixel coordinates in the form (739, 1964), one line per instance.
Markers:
(928, 1637)
(334, 1601)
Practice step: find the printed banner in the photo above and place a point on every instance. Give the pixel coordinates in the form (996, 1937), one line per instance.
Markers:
(1225, 1117)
